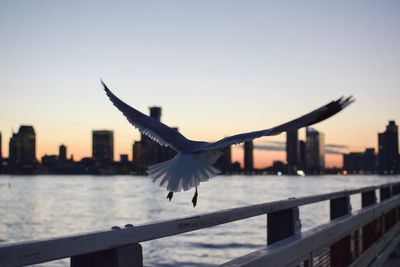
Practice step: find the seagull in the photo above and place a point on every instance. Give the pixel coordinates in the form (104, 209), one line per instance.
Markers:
(194, 161)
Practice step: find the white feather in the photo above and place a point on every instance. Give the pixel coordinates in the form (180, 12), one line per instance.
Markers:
(184, 171)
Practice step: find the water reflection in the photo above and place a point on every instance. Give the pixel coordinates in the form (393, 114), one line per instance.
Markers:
(33, 207)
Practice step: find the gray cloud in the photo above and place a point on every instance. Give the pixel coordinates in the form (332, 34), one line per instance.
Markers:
(331, 149)
(270, 147)
(279, 143)
(333, 152)
(336, 146)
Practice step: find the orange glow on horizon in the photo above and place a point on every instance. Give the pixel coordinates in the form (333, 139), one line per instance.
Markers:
(263, 158)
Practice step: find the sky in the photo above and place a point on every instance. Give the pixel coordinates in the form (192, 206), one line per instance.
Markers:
(217, 68)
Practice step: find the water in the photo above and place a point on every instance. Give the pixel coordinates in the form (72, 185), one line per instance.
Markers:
(33, 207)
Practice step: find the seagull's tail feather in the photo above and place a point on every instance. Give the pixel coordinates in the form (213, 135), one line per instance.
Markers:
(182, 172)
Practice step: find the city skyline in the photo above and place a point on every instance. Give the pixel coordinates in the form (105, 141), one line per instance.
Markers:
(262, 157)
(273, 150)
(218, 68)
(309, 154)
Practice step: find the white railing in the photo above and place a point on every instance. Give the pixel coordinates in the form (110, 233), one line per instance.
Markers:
(357, 238)
(317, 245)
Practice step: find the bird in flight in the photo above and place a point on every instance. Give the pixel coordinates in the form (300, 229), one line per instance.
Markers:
(194, 161)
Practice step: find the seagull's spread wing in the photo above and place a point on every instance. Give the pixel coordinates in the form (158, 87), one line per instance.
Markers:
(311, 118)
(154, 129)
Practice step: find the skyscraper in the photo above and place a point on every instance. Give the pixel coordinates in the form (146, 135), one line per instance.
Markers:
(150, 150)
(137, 156)
(147, 152)
(388, 149)
(224, 162)
(360, 162)
(1, 154)
(123, 158)
(14, 149)
(315, 151)
(155, 113)
(103, 146)
(62, 153)
(248, 156)
(353, 162)
(369, 160)
(302, 155)
(292, 151)
(22, 148)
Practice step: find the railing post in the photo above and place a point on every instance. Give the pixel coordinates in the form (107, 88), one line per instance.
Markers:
(127, 256)
(395, 192)
(396, 189)
(340, 252)
(339, 207)
(282, 224)
(385, 193)
(370, 231)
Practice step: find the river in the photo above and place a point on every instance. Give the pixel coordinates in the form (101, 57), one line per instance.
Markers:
(33, 207)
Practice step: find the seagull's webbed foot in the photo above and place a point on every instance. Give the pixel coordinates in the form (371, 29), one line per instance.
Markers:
(194, 199)
(170, 195)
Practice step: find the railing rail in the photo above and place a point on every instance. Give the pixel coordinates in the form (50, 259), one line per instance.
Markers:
(32, 252)
(293, 250)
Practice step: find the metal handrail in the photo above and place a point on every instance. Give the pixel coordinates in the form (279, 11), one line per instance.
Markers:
(38, 251)
(291, 250)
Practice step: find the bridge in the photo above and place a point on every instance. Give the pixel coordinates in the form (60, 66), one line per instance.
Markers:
(362, 238)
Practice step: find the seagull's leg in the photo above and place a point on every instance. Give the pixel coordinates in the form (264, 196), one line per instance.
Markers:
(194, 199)
(170, 195)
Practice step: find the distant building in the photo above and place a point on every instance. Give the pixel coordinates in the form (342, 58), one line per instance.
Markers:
(149, 148)
(137, 156)
(147, 152)
(224, 162)
(353, 162)
(87, 166)
(279, 166)
(360, 162)
(248, 156)
(103, 147)
(369, 161)
(49, 164)
(123, 158)
(123, 166)
(388, 149)
(236, 167)
(22, 148)
(155, 113)
(292, 151)
(62, 153)
(1, 149)
(302, 155)
(315, 151)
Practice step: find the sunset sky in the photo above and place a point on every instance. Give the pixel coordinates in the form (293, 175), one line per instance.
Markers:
(216, 68)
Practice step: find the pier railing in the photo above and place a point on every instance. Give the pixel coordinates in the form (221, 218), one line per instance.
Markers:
(361, 238)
